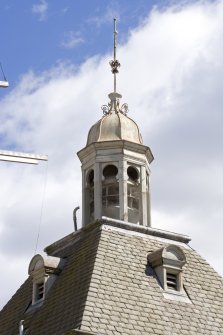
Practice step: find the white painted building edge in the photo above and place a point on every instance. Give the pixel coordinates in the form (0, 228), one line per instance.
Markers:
(21, 157)
(4, 83)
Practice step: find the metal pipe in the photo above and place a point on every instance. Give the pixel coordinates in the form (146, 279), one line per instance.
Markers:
(21, 327)
(75, 217)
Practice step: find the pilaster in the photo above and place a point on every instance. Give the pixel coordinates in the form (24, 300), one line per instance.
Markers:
(97, 191)
(123, 190)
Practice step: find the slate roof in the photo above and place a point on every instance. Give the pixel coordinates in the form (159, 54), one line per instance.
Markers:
(107, 288)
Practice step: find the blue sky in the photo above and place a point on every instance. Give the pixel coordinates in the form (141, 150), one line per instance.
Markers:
(56, 55)
(38, 34)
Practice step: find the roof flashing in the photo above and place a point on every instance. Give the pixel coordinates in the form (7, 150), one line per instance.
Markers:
(177, 296)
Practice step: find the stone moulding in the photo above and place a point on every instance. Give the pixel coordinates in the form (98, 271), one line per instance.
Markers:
(146, 230)
(76, 236)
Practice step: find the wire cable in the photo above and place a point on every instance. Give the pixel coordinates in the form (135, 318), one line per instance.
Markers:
(3, 72)
(42, 205)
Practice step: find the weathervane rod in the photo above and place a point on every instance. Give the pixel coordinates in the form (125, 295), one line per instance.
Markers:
(114, 63)
(115, 33)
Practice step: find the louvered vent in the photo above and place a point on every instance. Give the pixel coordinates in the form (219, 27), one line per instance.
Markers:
(39, 291)
(171, 281)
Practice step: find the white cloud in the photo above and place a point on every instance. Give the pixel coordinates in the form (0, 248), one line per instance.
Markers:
(72, 39)
(40, 9)
(171, 77)
(107, 16)
(65, 10)
(13, 266)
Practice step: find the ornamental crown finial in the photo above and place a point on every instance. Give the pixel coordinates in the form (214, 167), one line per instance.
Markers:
(113, 105)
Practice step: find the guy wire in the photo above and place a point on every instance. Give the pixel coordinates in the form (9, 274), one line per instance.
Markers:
(42, 205)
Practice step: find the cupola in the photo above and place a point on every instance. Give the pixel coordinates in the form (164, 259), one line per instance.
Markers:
(115, 164)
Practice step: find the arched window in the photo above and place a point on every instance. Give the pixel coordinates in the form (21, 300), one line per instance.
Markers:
(90, 193)
(110, 191)
(133, 189)
(110, 188)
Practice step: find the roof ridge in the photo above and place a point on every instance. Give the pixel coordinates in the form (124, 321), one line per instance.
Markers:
(76, 236)
(146, 230)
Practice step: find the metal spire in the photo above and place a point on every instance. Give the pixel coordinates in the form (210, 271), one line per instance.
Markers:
(114, 63)
(113, 105)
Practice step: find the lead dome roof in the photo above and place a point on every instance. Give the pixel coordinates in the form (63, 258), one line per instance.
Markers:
(115, 125)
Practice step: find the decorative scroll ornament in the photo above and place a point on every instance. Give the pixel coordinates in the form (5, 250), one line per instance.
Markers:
(124, 109)
(105, 109)
(114, 105)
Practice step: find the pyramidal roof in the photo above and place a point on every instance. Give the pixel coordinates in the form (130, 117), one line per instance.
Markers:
(108, 287)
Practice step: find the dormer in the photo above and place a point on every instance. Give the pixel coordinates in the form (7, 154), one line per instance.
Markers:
(44, 271)
(168, 265)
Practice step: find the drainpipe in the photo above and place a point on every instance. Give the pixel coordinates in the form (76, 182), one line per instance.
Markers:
(21, 328)
(75, 217)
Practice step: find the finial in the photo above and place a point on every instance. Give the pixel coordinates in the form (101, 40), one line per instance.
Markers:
(114, 63)
(113, 105)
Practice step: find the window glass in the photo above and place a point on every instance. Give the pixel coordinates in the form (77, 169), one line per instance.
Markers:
(110, 187)
(133, 196)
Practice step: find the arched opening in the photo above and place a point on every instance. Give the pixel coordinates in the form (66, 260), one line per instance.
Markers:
(133, 190)
(90, 194)
(110, 171)
(133, 173)
(110, 192)
(90, 178)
